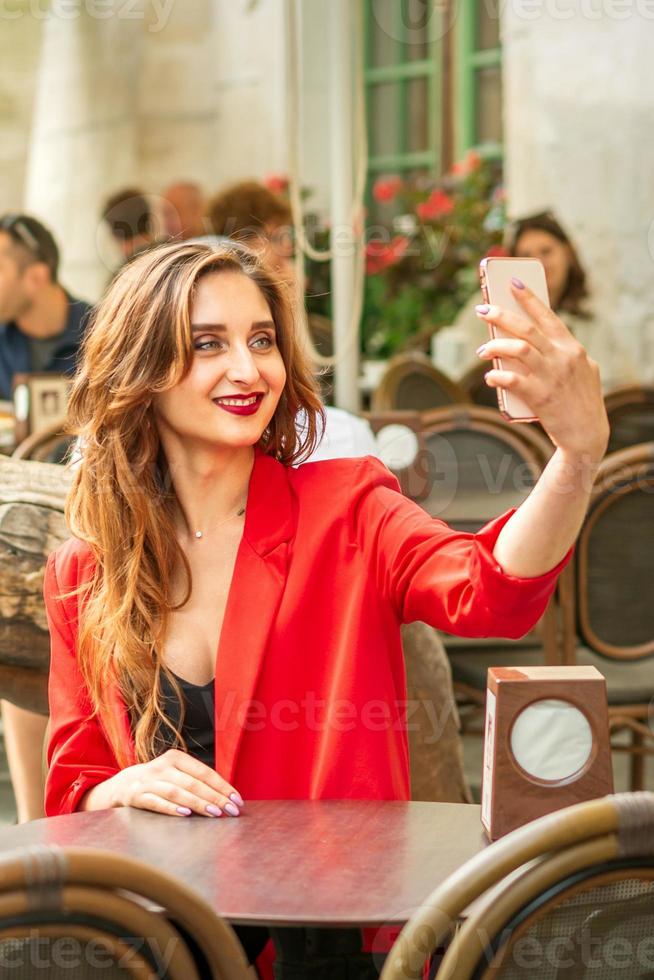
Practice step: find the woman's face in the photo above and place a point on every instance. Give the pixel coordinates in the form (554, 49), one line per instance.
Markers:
(555, 256)
(237, 376)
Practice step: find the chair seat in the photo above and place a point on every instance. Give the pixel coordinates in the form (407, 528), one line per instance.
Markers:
(630, 682)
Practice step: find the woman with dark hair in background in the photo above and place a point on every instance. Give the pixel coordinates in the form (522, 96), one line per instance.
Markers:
(540, 236)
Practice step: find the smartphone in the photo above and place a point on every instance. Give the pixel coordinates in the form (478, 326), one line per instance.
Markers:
(496, 274)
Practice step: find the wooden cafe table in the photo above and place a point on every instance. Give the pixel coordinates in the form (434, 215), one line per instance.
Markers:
(338, 863)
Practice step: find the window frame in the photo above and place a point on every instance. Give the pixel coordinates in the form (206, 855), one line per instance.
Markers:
(399, 73)
(469, 59)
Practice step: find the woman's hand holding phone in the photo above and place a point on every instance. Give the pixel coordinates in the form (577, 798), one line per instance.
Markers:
(556, 378)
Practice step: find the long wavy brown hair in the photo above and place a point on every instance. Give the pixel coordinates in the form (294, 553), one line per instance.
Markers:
(121, 502)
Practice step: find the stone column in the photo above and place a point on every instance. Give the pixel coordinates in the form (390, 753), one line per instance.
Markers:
(84, 135)
(20, 45)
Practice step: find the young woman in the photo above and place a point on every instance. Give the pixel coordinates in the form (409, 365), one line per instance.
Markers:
(206, 570)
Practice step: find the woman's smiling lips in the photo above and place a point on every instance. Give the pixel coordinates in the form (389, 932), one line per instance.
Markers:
(240, 404)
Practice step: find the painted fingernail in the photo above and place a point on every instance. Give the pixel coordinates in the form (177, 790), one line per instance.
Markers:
(184, 811)
(480, 350)
(518, 283)
(214, 811)
(482, 308)
(231, 809)
(236, 798)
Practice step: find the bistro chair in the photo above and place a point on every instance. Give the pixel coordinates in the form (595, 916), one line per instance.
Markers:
(97, 905)
(553, 900)
(47, 445)
(609, 617)
(476, 389)
(481, 466)
(401, 447)
(412, 383)
(631, 416)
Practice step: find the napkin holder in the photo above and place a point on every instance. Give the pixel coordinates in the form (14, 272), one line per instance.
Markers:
(546, 743)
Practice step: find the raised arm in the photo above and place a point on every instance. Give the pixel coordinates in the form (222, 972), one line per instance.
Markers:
(550, 370)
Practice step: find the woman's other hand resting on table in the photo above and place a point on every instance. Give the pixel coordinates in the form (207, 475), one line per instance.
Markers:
(551, 371)
(174, 783)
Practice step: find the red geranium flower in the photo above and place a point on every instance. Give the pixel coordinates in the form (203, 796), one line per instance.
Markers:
(277, 183)
(470, 162)
(387, 188)
(437, 205)
(383, 255)
(497, 251)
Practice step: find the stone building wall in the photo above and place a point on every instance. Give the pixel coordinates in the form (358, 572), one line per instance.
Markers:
(579, 104)
(160, 90)
(20, 46)
(195, 90)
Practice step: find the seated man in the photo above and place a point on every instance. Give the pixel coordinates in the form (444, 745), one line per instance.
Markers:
(41, 328)
(41, 325)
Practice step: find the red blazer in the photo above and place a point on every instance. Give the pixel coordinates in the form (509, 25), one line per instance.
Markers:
(310, 683)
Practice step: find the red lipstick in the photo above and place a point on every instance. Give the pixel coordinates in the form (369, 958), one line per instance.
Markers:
(240, 404)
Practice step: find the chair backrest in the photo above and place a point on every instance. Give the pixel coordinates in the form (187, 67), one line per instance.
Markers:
(615, 558)
(412, 383)
(401, 447)
(541, 898)
(631, 416)
(47, 445)
(110, 907)
(479, 465)
(476, 389)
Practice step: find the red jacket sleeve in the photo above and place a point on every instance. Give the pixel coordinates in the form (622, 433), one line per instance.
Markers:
(430, 572)
(79, 755)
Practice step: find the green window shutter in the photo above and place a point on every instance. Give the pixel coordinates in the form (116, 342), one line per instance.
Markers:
(478, 80)
(403, 75)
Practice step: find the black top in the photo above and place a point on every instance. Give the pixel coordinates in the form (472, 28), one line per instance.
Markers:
(198, 725)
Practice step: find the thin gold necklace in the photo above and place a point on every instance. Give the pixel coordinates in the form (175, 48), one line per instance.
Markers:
(239, 513)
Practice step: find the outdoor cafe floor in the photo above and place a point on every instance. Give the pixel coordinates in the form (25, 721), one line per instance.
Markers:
(472, 748)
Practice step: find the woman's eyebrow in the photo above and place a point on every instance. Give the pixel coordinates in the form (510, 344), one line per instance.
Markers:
(220, 327)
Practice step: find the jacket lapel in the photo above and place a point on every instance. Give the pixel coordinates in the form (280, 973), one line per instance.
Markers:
(254, 598)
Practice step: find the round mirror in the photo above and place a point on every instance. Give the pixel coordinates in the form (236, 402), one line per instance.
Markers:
(397, 446)
(551, 740)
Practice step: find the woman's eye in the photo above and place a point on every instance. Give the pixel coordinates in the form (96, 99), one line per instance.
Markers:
(263, 343)
(207, 344)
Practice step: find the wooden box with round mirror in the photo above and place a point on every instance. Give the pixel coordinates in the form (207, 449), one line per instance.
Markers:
(546, 743)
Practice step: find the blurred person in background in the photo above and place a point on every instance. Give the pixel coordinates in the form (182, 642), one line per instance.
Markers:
(130, 219)
(41, 324)
(184, 211)
(540, 236)
(250, 213)
(41, 329)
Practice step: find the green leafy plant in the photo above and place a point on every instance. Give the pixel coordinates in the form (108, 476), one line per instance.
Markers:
(422, 266)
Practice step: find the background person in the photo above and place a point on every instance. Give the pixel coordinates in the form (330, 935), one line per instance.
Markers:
(41, 324)
(540, 236)
(130, 220)
(250, 213)
(41, 329)
(184, 211)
